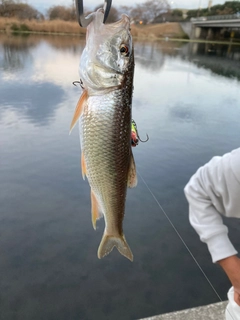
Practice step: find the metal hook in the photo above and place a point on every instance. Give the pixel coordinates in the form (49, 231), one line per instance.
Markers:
(85, 21)
(74, 83)
(144, 140)
(78, 82)
(135, 125)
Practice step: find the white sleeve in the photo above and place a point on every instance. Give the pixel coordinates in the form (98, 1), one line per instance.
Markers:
(208, 195)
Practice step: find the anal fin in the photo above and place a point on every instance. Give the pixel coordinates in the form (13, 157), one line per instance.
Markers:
(95, 210)
(83, 166)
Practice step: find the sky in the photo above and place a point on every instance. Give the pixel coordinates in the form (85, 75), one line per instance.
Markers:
(43, 5)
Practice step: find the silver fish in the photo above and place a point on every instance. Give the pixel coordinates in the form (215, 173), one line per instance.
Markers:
(104, 110)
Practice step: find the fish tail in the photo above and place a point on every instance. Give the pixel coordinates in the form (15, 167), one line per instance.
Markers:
(109, 242)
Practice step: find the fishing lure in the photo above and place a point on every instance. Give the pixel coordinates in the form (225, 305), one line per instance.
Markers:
(135, 136)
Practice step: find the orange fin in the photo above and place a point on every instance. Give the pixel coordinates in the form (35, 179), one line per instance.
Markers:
(83, 166)
(132, 174)
(79, 109)
(95, 210)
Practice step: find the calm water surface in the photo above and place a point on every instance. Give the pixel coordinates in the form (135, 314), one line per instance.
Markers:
(186, 97)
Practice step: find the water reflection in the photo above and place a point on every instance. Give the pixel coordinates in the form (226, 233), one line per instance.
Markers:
(219, 58)
(67, 43)
(34, 84)
(15, 52)
(186, 112)
(48, 246)
(151, 55)
(27, 100)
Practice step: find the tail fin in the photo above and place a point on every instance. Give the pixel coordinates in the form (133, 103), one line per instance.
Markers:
(109, 242)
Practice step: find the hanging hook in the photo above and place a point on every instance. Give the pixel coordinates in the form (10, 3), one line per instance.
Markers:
(84, 21)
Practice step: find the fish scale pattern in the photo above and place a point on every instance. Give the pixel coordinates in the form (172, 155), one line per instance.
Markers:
(106, 130)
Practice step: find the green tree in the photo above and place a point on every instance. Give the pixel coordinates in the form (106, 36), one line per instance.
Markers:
(229, 7)
(177, 13)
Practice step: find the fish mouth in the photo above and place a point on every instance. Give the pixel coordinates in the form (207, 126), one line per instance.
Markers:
(124, 22)
(97, 25)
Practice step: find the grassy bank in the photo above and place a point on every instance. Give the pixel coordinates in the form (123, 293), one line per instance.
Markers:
(12, 25)
(171, 30)
(156, 31)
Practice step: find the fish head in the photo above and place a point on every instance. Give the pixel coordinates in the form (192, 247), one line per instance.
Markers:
(107, 55)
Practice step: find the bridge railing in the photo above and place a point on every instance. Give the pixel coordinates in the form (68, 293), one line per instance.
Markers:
(219, 17)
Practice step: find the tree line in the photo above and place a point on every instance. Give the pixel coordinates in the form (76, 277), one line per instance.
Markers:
(229, 7)
(11, 8)
(148, 12)
(145, 12)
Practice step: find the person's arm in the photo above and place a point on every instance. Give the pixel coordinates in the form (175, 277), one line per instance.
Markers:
(231, 266)
(209, 195)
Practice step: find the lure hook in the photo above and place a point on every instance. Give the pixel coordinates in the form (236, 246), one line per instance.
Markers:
(134, 127)
(141, 139)
(85, 21)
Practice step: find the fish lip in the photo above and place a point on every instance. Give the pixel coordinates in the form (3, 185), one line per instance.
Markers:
(124, 18)
(97, 18)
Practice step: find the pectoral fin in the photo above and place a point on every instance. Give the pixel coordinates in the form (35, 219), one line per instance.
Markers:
(132, 174)
(79, 109)
(95, 210)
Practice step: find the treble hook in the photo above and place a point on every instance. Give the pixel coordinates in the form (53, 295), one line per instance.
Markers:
(85, 21)
(135, 126)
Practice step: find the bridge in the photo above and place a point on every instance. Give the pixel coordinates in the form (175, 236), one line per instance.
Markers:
(221, 21)
(213, 27)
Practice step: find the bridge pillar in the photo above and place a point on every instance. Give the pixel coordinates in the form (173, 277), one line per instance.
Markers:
(207, 33)
(210, 34)
(199, 33)
(196, 32)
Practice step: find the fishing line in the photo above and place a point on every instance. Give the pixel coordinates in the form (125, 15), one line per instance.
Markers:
(184, 243)
(178, 234)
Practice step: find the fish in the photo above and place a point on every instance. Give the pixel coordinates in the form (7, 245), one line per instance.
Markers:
(104, 111)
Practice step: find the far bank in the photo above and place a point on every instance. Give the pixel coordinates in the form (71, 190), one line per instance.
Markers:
(151, 31)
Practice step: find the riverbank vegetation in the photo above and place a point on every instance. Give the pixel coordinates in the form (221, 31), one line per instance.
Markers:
(152, 31)
(14, 25)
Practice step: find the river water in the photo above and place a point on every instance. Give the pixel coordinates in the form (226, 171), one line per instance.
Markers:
(186, 98)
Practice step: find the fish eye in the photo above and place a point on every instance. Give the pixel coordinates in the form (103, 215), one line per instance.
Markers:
(124, 50)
